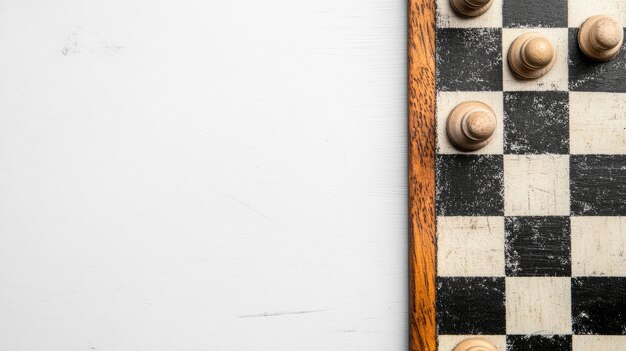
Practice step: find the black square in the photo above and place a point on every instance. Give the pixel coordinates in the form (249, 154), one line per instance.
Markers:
(536, 122)
(588, 75)
(599, 305)
(469, 59)
(469, 185)
(538, 342)
(598, 185)
(472, 306)
(537, 246)
(534, 13)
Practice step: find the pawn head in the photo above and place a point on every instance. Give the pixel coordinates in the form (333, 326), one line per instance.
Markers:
(606, 33)
(480, 125)
(538, 52)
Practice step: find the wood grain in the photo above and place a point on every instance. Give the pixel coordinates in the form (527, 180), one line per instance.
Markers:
(421, 85)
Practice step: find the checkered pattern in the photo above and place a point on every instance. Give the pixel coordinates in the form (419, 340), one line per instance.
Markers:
(531, 242)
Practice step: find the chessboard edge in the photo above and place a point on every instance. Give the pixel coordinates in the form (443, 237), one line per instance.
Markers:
(421, 173)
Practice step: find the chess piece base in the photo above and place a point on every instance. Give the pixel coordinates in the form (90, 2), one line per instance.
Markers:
(586, 46)
(516, 63)
(462, 8)
(476, 344)
(456, 125)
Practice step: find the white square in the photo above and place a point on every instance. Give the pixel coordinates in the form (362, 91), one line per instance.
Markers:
(598, 246)
(448, 342)
(447, 101)
(536, 185)
(538, 305)
(556, 79)
(597, 123)
(579, 10)
(447, 18)
(470, 246)
(598, 343)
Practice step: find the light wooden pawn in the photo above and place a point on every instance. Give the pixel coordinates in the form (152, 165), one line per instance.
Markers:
(471, 8)
(601, 38)
(476, 344)
(470, 125)
(531, 56)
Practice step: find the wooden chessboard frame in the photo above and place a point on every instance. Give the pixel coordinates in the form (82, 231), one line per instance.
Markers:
(421, 107)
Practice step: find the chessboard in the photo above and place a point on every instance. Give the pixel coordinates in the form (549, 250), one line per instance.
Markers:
(529, 237)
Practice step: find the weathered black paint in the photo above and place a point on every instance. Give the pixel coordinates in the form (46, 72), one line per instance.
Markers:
(539, 342)
(537, 246)
(598, 185)
(534, 13)
(536, 122)
(469, 59)
(599, 305)
(469, 185)
(470, 306)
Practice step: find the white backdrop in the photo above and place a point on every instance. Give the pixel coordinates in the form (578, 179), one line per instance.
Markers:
(203, 175)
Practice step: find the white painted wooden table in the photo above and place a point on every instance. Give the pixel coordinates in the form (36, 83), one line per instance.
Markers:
(202, 175)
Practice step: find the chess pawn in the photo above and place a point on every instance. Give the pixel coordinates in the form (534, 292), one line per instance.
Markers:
(475, 344)
(601, 38)
(471, 8)
(470, 125)
(531, 56)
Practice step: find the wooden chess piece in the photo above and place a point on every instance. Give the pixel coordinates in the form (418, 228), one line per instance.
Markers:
(601, 38)
(470, 125)
(476, 344)
(531, 56)
(471, 8)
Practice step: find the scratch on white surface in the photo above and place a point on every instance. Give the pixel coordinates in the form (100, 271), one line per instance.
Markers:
(194, 129)
(251, 208)
(81, 40)
(276, 314)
